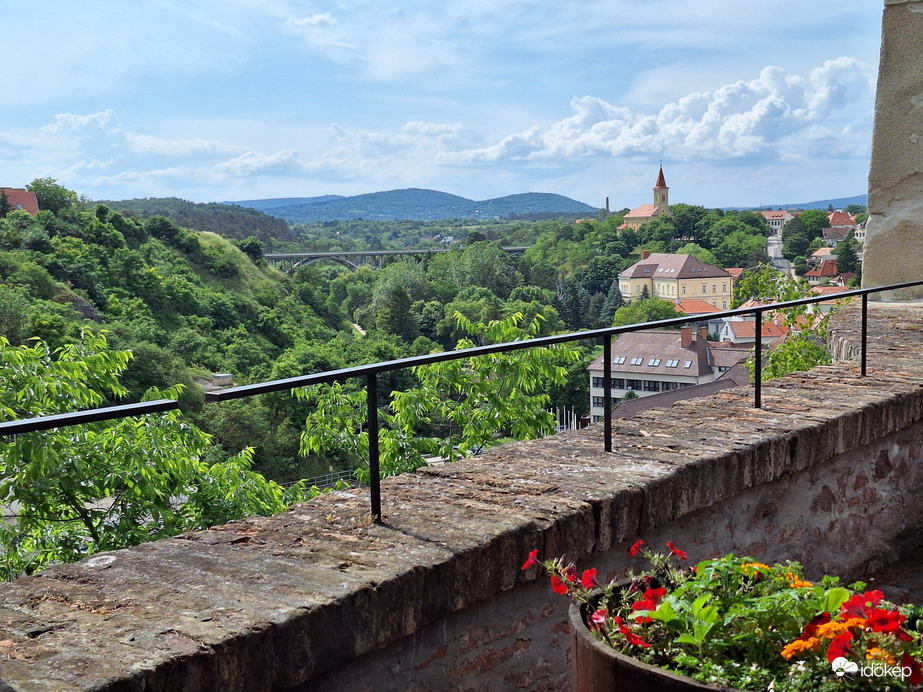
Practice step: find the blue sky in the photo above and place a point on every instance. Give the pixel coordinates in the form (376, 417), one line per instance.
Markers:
(745, 102)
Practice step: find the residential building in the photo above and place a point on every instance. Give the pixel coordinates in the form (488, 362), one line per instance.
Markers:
(655, 361)
(21, 199)
(840, 219)
(819, 255)
(676, 278)
(822, 273)
(744, 332)
(648, 212)
(777, 219)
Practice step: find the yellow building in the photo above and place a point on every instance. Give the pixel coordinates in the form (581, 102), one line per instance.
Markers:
(675, 278)
(648, 212)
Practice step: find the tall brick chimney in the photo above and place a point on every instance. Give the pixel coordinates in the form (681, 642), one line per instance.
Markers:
(645, 254)
(685, 337)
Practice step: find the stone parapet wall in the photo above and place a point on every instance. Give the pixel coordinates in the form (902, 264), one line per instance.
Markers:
(827, 473)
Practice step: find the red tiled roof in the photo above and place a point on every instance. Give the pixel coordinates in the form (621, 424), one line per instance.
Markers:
(840, 218)
(822, 251)
(825, 268)
(21, 199)
(747, 330)
(645, 211)
(827, 290)
(694, 306)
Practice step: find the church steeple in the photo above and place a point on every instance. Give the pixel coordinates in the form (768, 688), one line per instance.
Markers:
(661, 192)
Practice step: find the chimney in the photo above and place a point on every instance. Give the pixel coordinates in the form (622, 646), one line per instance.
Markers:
(685, 337)
(645, 254)
(703, 333)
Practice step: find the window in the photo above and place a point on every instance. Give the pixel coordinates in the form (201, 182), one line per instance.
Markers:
(633, 384)
(724, 304)
(618, 360)
(654, 361)
(704, 288)
(637, 361)
(714, 288)
(672, 363)
(688, 364)
(599, 401)
(651, 386)
(684, 290)
(599, 382)
(668, 386)
(618, 383)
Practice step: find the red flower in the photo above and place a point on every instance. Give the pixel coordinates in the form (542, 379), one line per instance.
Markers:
(633, 550)
(888, 621)
(676, 551)
(588, 580)
(656, 595)
(840, 647)
(630, 636)
(598, 619)
(533, 559)
(916, 675)
(557, 585)
(651, 598)
(570, 573)
(811, 628)
(861, 606)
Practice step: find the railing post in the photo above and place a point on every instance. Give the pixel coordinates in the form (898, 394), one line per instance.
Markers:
(374, 467)
(607, 389)
(865, 329)
(758, 359)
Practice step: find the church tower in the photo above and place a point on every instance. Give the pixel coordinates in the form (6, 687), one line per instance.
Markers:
(661, 193)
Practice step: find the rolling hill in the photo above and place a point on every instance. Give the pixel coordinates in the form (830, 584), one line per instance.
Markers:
(415, 204)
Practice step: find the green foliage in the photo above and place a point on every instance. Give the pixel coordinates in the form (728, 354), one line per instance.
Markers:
(82, 489)
(805, 346)
(644, 310)
(51, 196)
(467, 403)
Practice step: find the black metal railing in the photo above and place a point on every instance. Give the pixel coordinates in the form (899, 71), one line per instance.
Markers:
(370, 373)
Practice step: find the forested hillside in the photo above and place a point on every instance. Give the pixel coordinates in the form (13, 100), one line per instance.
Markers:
(229, 220)
(190, 303)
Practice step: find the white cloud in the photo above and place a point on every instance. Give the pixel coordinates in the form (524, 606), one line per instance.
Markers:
(769, 115)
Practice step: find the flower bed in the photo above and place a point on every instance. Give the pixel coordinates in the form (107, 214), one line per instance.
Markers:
(739, 623)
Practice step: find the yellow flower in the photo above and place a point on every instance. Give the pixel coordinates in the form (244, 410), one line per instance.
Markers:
(876, 654)
(798, 646)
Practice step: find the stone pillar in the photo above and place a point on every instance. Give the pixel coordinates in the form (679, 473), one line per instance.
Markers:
(893, 250)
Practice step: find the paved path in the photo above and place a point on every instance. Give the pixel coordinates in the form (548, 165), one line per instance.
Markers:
(901, 582)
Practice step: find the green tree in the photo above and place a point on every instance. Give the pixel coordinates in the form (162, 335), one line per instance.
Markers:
(51, 196)
(108, 485)
(5, 206)
(815, 221)
(647, 310)
(847, 259)
(466, 402)
(396, 316)
(805, 346)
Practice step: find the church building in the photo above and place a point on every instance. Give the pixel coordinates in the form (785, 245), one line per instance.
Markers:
(648, 212)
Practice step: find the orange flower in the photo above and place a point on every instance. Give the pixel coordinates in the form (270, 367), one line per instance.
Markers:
(876, 654)
(799, 646)
(831, 630)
